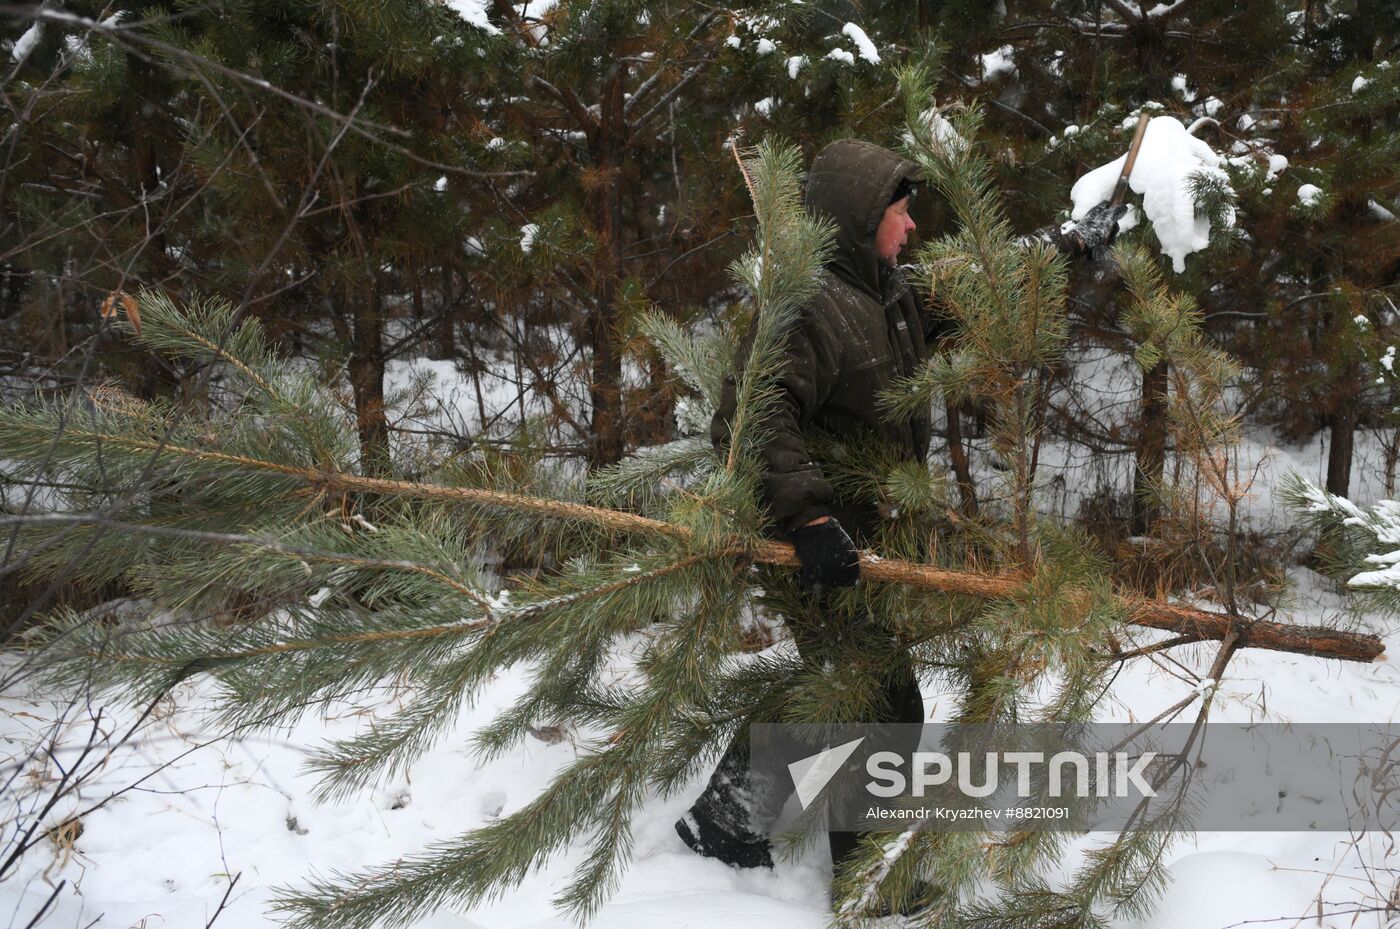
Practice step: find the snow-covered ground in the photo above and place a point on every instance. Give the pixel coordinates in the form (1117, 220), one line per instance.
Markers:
(162, 853)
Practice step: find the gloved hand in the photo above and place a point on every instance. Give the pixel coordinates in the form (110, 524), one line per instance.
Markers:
(1096, 231)
(829, 557)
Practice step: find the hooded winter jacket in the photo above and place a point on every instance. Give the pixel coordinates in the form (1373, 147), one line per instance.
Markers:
(864, 329)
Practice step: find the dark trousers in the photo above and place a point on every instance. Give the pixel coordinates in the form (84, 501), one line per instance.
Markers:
(745, 805)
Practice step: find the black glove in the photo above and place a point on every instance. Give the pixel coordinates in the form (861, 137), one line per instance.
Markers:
(1096, 231)
(829, 557)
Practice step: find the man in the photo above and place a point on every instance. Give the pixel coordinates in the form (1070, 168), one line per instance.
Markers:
(864, 329)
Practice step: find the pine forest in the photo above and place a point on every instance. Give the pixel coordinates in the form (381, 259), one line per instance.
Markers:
(442, 440)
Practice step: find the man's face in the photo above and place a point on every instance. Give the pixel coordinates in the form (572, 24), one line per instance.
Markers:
(893, 230)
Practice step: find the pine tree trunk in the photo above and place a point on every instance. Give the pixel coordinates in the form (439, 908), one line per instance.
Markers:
(444, 330)
(1343, 400)
(605, 440)
(366, 369)
(1392, 456)
(1342, 427)
(1151, 451)
(957, 454)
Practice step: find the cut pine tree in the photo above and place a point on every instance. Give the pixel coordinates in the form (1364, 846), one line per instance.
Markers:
(1318, 641)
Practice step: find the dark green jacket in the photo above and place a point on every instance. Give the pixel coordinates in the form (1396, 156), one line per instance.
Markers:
(864, 329)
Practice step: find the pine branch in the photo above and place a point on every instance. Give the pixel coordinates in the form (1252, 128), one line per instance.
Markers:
(1318, 641)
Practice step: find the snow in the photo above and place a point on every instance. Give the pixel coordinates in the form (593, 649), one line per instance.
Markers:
(997, 62)
(764, 106)
(1277, 164)
(734, 41)
(527, 236)
(1071, 130)
(794, 64)
(24, 45)
(1245, 122)
(1211, 105)
(473, 12)
(766, 46)
(864, 46)
(1359, 84)
(1218, 879)
(840, 54)
(1309, 194)
(1167, 161)
(440, 184)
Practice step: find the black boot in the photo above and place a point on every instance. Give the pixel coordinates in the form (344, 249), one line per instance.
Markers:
(729, 819)
(738, 851)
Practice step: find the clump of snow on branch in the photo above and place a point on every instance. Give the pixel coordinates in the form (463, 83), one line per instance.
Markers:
(997, 62)
(25, 43)
(794, 64)
(1383, 521)
(940, 129)
(473, 12)
(1168, 162)
(864, 46)
(1309, 195)
(527, 237)
(840, 54)
(1387, 361)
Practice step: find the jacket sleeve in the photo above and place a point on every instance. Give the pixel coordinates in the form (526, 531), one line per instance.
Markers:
(794, 489)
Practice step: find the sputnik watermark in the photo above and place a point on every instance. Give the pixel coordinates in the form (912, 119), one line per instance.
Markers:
(1117, 773)
(813, 773)
(1110, 777)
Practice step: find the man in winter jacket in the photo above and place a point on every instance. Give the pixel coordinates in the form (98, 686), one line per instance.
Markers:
(863, 329)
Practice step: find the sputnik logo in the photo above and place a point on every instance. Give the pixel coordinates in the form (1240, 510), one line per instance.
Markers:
(811, 774)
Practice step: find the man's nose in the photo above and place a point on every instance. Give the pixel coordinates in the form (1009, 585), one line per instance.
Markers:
(909, 223)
